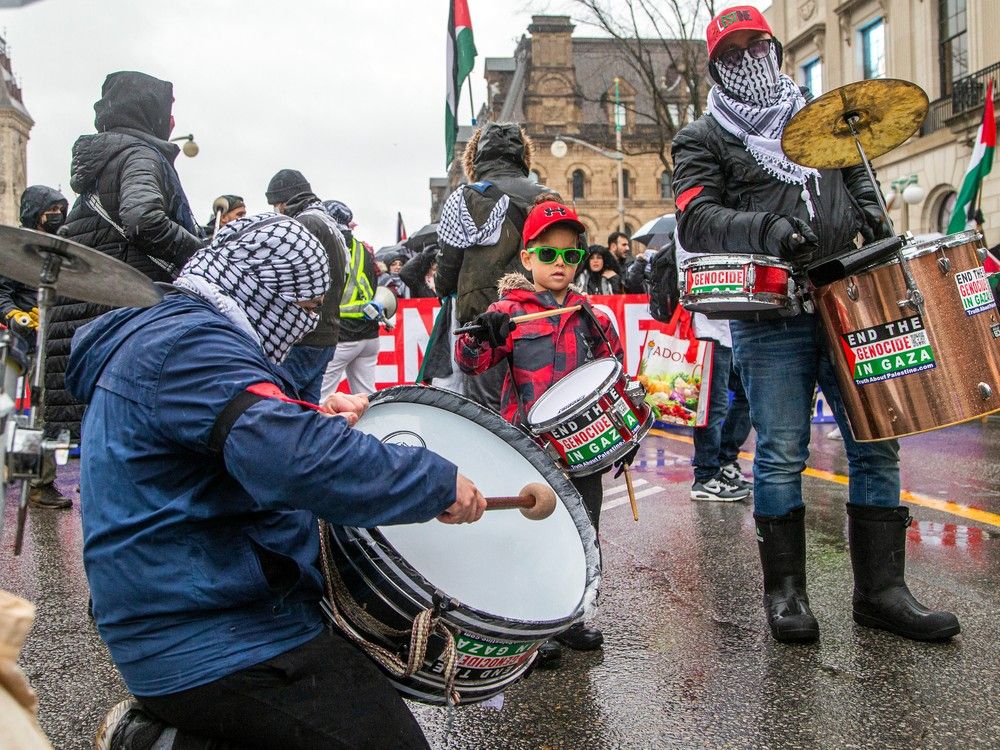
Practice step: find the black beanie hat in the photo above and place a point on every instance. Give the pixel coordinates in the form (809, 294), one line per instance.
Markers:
(285, 185)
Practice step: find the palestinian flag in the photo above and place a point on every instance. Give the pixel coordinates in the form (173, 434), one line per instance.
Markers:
(461, 58)
(400, 228)
(979, 166)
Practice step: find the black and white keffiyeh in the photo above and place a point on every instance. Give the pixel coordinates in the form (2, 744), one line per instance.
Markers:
(754, 102)
(458, 229)
(254, 272)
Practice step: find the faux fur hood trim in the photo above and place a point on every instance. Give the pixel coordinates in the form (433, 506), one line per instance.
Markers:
(514, 280)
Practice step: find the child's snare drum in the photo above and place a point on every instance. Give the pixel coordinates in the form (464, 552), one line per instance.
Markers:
(592, 417)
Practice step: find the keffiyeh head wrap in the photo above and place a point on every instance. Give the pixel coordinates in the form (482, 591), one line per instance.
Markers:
(754, 102)
(254, 272)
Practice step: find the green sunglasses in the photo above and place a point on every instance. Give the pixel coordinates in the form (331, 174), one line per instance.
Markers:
(571, 255)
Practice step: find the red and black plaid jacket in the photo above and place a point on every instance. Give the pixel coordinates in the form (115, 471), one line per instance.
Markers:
(542, 351)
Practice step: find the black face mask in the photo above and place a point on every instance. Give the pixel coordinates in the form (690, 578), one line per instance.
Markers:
(52, 222)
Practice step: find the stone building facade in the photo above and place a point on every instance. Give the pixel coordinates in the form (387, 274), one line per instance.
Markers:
(557, 84)
(15, 125)
(950, 48)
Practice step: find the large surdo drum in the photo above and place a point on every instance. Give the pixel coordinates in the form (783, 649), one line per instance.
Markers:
(499, 587)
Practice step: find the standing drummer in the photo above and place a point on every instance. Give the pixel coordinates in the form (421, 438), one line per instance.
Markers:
(737, 192)
(200, 487)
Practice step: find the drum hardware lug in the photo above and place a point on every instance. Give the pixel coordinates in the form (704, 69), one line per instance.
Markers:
(944, 265)
(750, 278)
(443, 603)
(985, 391)
(852, 292)
(914, 298)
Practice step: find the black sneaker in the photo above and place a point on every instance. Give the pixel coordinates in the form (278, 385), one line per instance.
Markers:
(718, 489)
(128, 727)
(579, 637)
(732, 474)
(47, 496)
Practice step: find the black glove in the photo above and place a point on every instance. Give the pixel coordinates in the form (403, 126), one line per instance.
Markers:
(793, 239)
(492, 327)
(625, 460)
(874, 227)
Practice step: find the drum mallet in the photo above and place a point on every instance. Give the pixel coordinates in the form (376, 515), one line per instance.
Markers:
(525, 318)
(535, 501)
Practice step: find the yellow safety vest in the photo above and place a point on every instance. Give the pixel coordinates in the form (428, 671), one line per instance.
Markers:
(358, 291)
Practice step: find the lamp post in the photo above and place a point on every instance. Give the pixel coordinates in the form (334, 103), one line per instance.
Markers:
(911, 193)
(190, 148)
(558, 149)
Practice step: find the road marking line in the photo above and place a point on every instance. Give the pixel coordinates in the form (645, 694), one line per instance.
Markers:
(623, 500)
(623, 487)
(945, 506)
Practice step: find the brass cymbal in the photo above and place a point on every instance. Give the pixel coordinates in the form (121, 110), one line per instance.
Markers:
(84, 274)
(887, 112)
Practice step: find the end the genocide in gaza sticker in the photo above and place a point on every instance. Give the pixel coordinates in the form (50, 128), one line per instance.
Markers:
(717, 281)
(975, 291)
(888, 350)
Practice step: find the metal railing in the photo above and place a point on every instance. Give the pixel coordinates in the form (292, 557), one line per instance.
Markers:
(968, 94)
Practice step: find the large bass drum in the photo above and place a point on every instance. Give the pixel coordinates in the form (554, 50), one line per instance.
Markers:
(500, 586)
(904, 370)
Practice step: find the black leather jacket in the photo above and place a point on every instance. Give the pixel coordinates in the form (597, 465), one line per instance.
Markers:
(725, 199)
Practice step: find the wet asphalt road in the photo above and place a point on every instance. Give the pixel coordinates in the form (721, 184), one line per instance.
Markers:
(687, 662)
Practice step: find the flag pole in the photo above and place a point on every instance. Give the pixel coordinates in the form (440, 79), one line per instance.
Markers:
(472, 107)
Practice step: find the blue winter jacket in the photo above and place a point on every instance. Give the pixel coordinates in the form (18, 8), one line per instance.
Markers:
(202, 562)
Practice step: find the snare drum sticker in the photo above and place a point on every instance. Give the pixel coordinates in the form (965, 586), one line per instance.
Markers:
(718, 280)
(476, 657)
(888, 350)
(589, 436)
(974, 289)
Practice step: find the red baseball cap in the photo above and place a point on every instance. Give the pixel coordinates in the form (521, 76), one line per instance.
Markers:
(544, 215)
(737, 18)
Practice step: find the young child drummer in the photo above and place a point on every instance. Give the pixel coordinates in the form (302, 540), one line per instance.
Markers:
(542, 351)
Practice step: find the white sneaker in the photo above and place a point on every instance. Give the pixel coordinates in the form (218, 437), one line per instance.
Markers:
(732, 474)
(719, 489)
(834, 434)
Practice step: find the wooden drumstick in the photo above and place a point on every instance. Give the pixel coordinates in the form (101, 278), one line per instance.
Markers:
(631, 492)
(526, 317)
(535, 501)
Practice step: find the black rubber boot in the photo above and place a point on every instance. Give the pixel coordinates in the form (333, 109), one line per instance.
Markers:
(881, 598)
(580, 637)
(549, 654)
(782, 544)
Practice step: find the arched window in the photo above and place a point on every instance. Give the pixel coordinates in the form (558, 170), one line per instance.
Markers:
(665, 192)
(626, 179)
(578, 184)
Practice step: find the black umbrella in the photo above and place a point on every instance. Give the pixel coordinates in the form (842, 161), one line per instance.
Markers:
(392, 251)
(662, 225)
(426, 235)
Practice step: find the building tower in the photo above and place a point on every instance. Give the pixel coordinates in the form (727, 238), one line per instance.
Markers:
(15, 124)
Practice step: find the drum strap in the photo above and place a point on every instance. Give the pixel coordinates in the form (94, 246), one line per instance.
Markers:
(425, 624)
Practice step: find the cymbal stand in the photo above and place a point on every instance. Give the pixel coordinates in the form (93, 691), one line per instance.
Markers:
(33, 436)
(914, 297)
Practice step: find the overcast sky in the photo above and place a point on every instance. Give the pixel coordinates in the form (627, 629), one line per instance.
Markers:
(352, 94)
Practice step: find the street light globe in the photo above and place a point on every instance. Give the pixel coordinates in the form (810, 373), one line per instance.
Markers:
(913, 194)
(559, 148)
(190, 148)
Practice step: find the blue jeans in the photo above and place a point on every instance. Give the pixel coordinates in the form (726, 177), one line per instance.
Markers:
(780, 362)
(305, 366)
(718, 442)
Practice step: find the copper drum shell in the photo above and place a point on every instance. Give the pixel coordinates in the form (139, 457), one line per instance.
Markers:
(965, 381)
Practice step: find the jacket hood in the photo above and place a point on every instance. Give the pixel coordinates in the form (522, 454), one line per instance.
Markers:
(135, 100)
(498, 147)
(517, 286)
(92, 153)
(35, 199)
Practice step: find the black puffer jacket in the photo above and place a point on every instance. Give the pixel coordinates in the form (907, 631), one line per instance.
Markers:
(414, 272)
(501, 156)
(128, 164)
(308, 209)
(726, 201)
